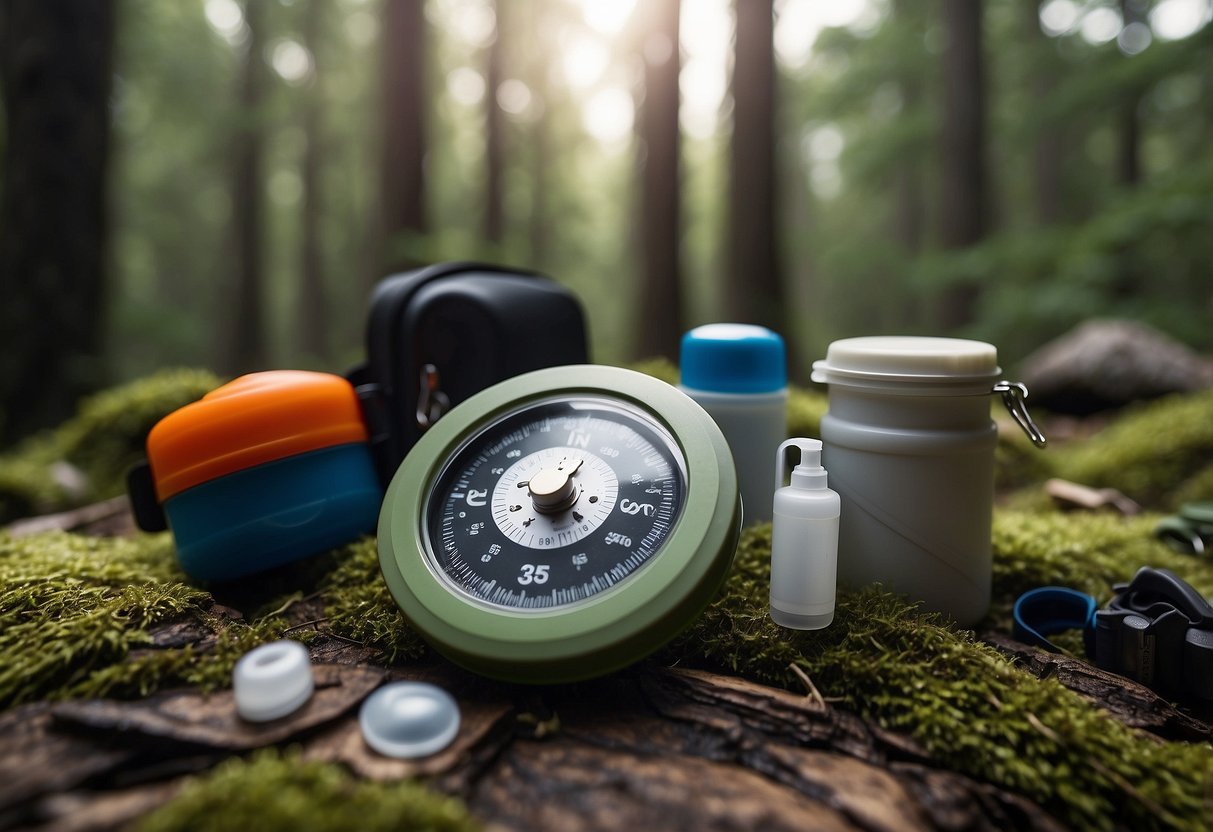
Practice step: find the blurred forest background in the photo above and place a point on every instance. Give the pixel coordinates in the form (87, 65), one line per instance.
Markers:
(220, 183)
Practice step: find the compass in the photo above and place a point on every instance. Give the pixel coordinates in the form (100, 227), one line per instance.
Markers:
(561, 524)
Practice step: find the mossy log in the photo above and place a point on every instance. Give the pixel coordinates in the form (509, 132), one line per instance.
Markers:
(651, 748)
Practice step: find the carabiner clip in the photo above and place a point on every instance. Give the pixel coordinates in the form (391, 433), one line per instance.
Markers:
(1014, 397)
(431, 402)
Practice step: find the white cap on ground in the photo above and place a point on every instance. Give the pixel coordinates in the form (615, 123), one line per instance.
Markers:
(272, 681)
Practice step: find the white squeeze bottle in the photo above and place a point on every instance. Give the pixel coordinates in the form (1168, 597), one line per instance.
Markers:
(804, 542)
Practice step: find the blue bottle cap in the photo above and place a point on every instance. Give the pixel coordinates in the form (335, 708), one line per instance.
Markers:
(733, 358)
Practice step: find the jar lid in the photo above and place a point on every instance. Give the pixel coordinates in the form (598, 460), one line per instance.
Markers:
(733, 358)
(906, 359)
(252, 420)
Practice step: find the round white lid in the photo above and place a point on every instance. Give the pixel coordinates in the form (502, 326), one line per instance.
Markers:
(908, 358)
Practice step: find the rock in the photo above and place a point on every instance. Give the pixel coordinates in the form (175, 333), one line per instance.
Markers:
(1105, 364)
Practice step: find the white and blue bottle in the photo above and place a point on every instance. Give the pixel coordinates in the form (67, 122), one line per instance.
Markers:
(804, 541)
(738, 373)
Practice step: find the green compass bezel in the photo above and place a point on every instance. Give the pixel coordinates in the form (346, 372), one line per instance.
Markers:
(616, 627)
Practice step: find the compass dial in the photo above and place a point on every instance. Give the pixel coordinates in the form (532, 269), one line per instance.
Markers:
(555, 502)
(591, 490)
(561, 524)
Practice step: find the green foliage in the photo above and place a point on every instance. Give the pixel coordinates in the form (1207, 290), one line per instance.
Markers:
(274, 790)
(1143, 257)
(971, 708)
(102, 441)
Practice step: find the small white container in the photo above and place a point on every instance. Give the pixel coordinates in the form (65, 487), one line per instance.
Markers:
(272, 680)
(804, 542)
(738, 374)
(910, 446)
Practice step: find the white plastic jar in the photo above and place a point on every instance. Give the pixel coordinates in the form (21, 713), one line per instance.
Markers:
(909, 444)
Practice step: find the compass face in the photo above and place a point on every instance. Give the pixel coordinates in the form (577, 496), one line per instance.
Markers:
(554, 503)
(561, 524)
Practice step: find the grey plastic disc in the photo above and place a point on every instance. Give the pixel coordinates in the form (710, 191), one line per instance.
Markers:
(409, 719)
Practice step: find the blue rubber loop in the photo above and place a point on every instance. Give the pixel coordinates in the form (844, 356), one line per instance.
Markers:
(1040, 613)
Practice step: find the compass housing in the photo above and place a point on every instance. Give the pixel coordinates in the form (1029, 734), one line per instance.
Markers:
(589, 636)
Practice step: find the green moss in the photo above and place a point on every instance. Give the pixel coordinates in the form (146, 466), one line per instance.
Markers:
(661, 368)
(1085, 551)
(101, 442)
(75, 615)
(1017, 462)
(1159, 453)
(805, 409)
(272, 790)
(972, 709)
(359, 607)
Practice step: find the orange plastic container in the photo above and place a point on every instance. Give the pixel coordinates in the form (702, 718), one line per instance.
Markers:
(267, 469)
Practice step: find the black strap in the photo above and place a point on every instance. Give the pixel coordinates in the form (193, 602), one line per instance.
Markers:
(149, 514)
(1157, 630)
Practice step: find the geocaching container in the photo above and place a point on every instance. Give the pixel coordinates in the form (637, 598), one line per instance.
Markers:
(265, 470)
(738, 374)
(909, 444)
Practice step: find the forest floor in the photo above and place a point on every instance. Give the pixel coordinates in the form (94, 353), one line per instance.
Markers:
(114, 674)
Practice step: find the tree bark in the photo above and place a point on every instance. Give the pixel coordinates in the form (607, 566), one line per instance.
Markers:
(660, 187)
(404, 134)
(246, 349)
(55, 68)
(754, 280)
(538, 76)
(648, 748)
(1128, 167)
(1048, 146)
(964, 208)
(494, 138)
(909, 225)
(538, 233)
(313, 300)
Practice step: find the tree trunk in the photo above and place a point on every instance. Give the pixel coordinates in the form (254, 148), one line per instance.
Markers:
(538, 76)
(754, 288)
(404, 134)
(1048, 146)
(313, 321)
(55, 70)
(660, 200)
(900, 306)
(494, 140)
(1128, 168)
(247, 346)
(964, 208)
(538, 230)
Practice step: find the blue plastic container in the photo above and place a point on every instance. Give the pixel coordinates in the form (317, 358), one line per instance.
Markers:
(269, 469)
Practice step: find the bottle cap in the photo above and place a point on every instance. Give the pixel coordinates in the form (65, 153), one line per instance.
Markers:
(409, 719)
(733, 358)
(927, 366)
(808, 473)
(272, 680)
